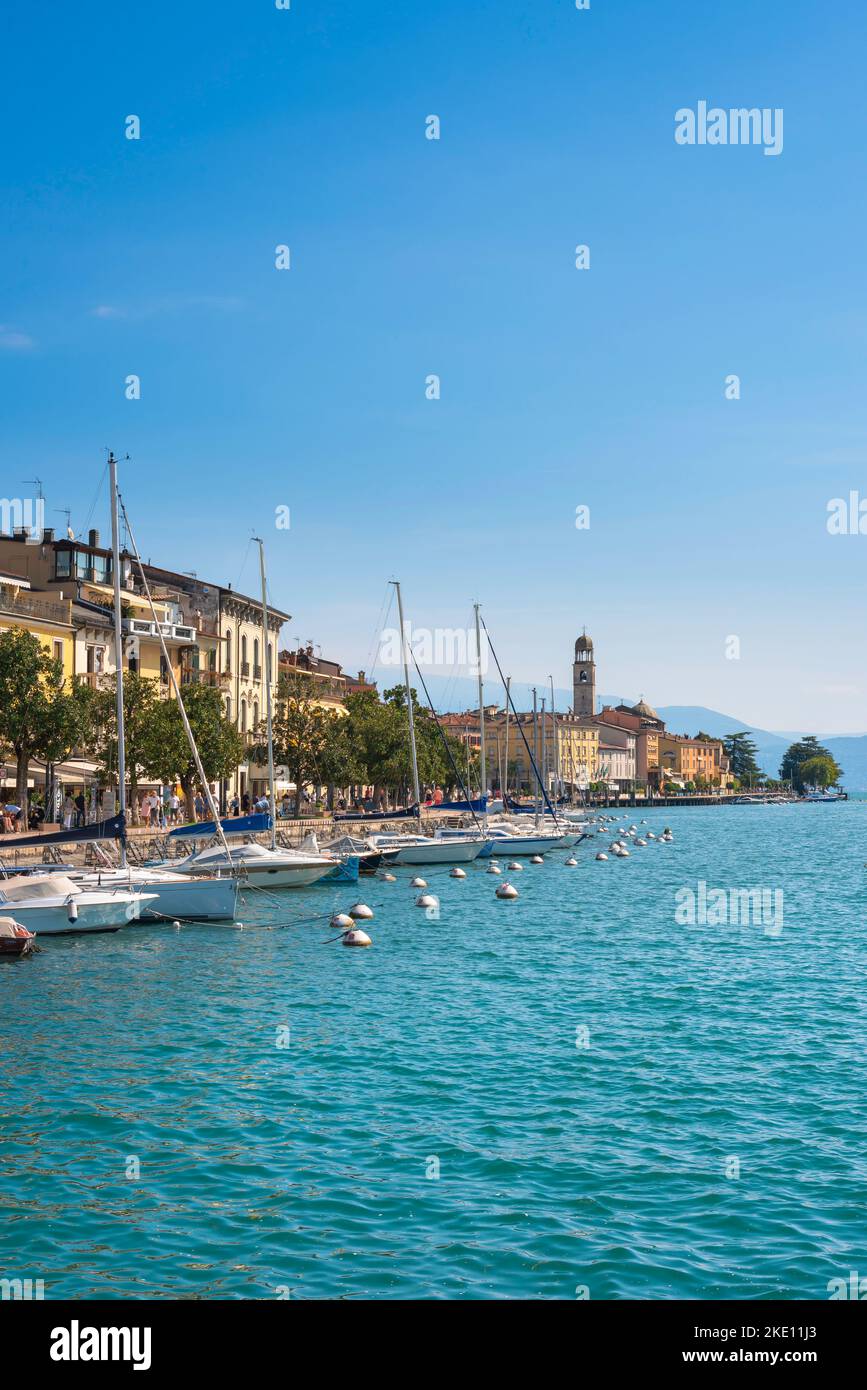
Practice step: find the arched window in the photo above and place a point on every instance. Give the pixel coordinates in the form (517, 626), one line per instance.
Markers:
(228, 649)
(228, 707)
(256, 714)
(270, 659)
(243, 716)
(243, 646)
(255, 653)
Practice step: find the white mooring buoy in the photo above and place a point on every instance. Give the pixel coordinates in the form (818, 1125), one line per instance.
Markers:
(388, 878)
(493, 869)
(515, 867)
(506, 890)
(418, 883)
(536, 859)
(356, 937)
(456, 873)
(601, 856)
(570, 863)
(361, 912)
(427, 900)
(341, 921)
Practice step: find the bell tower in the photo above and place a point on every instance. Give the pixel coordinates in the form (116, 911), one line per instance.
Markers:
(584, 678)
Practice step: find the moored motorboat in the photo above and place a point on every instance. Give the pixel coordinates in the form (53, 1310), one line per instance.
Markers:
(424, 849)
(52, 905)
(257, 865)
(15, 940)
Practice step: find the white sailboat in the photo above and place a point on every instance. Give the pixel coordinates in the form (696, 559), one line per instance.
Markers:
(259, 866)
(422, 849)
(171, 895)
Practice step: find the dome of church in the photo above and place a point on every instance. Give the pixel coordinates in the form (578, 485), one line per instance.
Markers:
(583, 644)
(645, 710)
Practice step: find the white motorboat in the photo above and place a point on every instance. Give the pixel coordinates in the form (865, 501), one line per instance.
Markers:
(509, 840)
(259, 866)
(52, 905)
(424, 849)
(176, 895)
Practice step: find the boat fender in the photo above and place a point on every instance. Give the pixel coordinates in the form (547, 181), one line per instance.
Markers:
(71, 909)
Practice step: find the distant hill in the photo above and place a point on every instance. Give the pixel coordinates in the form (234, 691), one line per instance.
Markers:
(849, 750)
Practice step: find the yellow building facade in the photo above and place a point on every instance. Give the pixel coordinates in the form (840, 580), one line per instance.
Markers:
(48, 618)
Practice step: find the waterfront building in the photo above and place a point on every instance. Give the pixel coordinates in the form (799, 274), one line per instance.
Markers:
(212, 634)
(48, 617)
(568, 747)
(647, 726)
(692, 760)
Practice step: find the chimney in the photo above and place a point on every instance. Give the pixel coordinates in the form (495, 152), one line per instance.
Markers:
(48, 535)
(93, 538)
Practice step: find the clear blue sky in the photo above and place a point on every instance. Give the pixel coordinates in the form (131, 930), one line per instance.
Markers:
(410, 257)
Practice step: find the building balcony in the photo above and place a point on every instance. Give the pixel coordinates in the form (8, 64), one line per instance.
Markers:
(191, 676)
(24, 605)
(245, 668)
(171, 632)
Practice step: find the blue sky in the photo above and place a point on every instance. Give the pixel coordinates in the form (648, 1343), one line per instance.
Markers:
(306, 388)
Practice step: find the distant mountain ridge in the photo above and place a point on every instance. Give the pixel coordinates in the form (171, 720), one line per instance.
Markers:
(850, 750)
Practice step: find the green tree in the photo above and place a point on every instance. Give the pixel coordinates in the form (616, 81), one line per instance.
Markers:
(741, 753)
(29, 679)
(302, 732)
(166, 754)
(805, 751)
(68, 723)
(819, 772)
(141, 696)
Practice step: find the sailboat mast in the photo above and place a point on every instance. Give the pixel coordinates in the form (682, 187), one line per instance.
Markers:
(118, 655)
(266, 666)
(556, 749)
(544, 747)
(415, 785)
(536, 755)
(505, 791)
(483, 764)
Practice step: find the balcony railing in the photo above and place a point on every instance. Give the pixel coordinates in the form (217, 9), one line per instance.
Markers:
(51, 611)
(245, 668)
(257, 673)
(190, 676)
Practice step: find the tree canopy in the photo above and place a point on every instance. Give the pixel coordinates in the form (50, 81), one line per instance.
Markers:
(807, 763)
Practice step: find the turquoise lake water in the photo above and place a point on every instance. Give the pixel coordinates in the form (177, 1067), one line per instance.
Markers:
(301, 1171)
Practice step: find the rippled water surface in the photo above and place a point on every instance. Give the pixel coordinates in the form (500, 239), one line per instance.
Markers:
(302, 1171)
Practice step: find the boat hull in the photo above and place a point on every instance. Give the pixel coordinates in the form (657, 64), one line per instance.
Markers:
(198, 900)
(529, 844)
(46, 919)
(440, 852)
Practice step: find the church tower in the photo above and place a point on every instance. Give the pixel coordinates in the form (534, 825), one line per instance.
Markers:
(584, 678)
